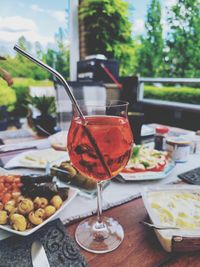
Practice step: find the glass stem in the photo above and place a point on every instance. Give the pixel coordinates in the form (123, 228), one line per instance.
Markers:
(99, 202)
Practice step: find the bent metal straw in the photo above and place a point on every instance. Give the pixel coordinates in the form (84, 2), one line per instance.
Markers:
(55, 73)
(72, 98)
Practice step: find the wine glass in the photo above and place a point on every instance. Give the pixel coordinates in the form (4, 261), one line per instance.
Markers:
(100, 147)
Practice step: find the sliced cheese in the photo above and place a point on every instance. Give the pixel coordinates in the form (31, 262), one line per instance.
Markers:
(42, 157)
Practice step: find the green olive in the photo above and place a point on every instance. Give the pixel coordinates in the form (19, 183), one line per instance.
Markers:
(69, 168)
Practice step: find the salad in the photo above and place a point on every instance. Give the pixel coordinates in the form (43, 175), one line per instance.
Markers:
(146, 159)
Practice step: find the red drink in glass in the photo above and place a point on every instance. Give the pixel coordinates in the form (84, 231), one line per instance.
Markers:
(99, 147)
(113, 137)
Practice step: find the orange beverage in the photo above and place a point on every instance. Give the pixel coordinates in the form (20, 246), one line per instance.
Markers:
(113, 142)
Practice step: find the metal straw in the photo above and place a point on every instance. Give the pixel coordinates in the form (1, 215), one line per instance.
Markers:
(72, 98)
(55, 73)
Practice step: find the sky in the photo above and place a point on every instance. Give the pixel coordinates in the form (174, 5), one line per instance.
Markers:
(39, 20)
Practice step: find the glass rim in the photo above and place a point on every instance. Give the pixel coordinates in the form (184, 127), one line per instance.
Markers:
(110, 103)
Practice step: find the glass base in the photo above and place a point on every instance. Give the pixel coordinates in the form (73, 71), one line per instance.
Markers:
(99, 237)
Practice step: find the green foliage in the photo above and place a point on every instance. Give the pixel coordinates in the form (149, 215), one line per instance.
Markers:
(151, 51)
(177, 94)
(59, 59)
(127, 56)
(7, 95)
(19, 67)
(45, 104)
(31, 82)
(108, 31)
(21, 88)
(183, 39)
(38, 50)
(62, 55)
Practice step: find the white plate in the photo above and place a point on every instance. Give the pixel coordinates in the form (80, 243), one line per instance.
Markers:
(145, 176)
(21, 161)
(72, 193)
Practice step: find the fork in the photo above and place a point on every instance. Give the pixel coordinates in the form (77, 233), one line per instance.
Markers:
(159, 227)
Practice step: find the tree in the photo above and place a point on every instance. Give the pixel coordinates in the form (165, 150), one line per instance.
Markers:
(150, 58)
(59, 58)
(108, 31)
(26, 68)
(25, 45)
(183, 40)
(38, 50)
(62, 55)
(49, 57)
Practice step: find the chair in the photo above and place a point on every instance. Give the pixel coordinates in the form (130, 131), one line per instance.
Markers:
(85, 92)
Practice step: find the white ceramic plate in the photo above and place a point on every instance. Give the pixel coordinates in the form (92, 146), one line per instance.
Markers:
(40, 158)
(145, 176)
(72, 193)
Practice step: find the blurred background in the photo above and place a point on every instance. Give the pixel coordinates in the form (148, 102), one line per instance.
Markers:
(148, 48)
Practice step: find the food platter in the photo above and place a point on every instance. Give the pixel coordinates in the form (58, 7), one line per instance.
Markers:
(36, 159)
(147, 164)
(175, 206)
(72, 193)
(15, 212)
(149, 175)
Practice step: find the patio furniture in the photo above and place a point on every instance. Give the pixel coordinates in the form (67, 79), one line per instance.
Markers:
(83, 91)
(7, 120)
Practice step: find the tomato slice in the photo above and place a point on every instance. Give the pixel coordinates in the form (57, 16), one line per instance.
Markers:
(160, 167)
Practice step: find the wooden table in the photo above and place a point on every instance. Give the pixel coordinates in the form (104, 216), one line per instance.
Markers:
(140, 248)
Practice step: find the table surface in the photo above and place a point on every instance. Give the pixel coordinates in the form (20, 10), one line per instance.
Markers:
(140, 246)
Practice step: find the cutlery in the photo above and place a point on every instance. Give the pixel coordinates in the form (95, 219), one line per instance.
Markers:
(22, 167)
(119, 178)
(9, 148)
(39, 257)
(42, 129)
(1, 163)
(159, 227)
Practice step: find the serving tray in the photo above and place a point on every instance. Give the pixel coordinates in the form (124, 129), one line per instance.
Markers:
(180, 240)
